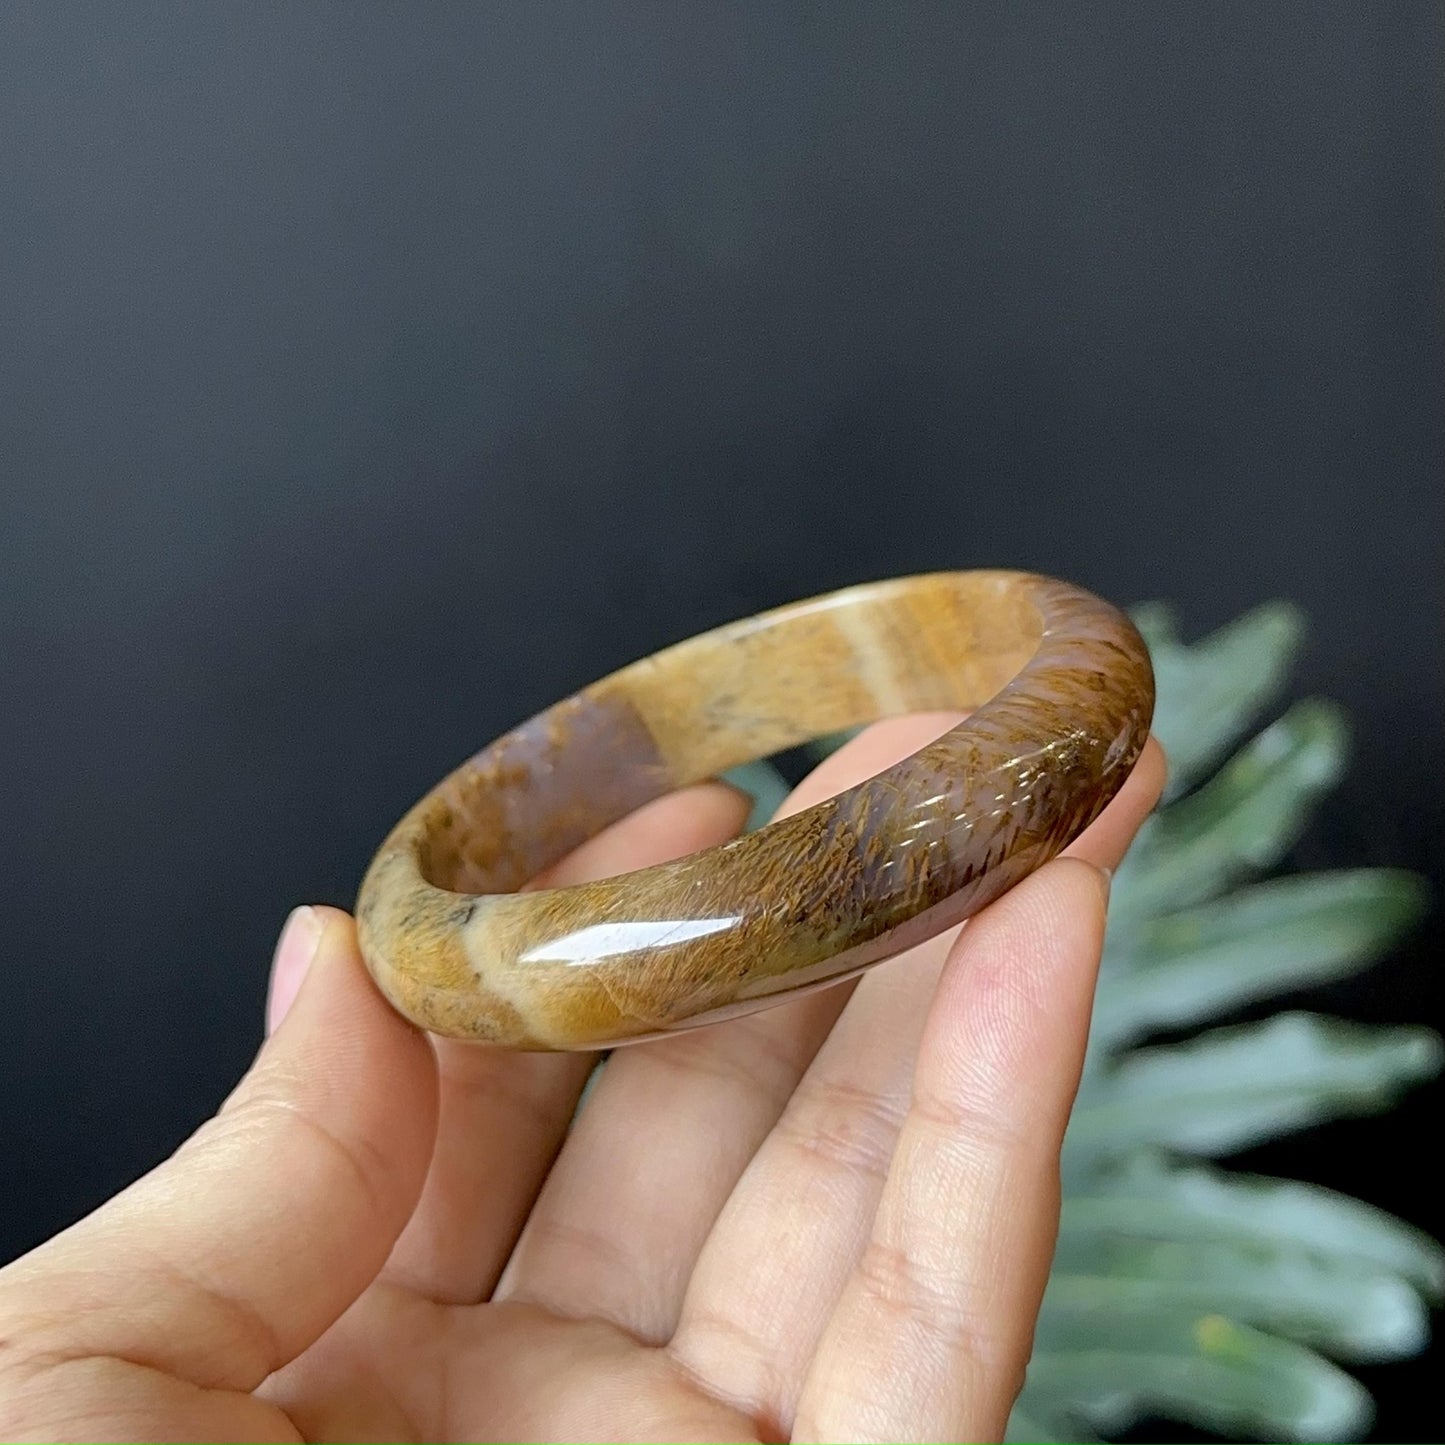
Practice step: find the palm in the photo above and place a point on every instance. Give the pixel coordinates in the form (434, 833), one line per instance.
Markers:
(511, 1372)
(832, 1220)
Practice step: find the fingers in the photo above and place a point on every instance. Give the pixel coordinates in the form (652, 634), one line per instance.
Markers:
(931, 1334)
(235, 1255)
(503, 1114)
(754, 1312)
(672, 1125)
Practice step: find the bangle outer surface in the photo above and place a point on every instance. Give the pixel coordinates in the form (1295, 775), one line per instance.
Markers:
(1061, 693)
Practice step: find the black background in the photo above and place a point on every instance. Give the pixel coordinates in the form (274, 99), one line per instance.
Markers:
(370, 376)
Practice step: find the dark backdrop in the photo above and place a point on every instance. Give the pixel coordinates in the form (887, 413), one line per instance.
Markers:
(372, 375)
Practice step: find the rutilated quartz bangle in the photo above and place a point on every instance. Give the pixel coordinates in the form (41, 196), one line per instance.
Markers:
(1062, 695)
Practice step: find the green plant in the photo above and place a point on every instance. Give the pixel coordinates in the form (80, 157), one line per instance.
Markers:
(1181, 1289)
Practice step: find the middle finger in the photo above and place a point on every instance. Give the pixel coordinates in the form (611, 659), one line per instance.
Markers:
(672, 1124)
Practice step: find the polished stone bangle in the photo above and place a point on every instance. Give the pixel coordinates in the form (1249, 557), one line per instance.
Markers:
(1062, 695)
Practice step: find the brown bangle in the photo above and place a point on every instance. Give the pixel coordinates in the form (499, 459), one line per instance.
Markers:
(1063, 693)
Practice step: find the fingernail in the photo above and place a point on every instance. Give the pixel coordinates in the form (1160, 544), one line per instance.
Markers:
(294, 952)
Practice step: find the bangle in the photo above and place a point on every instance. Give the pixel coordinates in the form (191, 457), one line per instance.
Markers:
(1062, 693)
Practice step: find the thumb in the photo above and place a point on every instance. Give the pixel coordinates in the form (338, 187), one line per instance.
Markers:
(232, 1257)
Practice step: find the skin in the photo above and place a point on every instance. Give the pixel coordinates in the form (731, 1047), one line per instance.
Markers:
(829, 1221)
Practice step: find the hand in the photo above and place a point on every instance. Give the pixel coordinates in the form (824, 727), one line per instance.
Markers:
(829, 1221)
